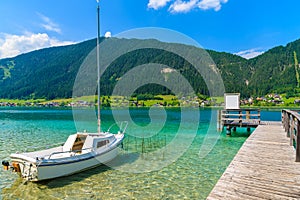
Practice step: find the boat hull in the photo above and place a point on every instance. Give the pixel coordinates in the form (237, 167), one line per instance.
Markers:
(58, 170)
(43, 170)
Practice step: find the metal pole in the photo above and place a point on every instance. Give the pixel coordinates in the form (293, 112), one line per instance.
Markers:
(98, 65)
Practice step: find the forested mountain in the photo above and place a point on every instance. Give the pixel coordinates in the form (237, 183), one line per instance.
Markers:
(50, 73)
(276, 70)
(46, 73)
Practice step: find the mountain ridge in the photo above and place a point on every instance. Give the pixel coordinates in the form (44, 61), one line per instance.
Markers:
(50, 73)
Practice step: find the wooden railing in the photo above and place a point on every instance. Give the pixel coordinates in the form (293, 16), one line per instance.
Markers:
(291, 124)
(247, 115)
(238, 118)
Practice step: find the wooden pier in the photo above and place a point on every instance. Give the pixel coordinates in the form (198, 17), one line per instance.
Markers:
(232, 118)
(265, 167)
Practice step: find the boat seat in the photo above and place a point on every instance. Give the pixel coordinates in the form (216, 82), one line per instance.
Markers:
(88, 144)
(69, 143)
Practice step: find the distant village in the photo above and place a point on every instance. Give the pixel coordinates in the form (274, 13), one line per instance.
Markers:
(48, 104)
(274, 99)
(268, 100)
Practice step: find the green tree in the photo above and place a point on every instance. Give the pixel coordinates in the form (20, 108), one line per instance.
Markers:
(296, 68)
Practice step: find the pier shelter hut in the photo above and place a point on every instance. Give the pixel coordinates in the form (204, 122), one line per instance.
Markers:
(232, 101)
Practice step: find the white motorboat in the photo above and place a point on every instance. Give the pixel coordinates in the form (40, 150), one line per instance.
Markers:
(81, 151)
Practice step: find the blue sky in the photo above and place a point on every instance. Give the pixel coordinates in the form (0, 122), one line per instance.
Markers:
(248, 27)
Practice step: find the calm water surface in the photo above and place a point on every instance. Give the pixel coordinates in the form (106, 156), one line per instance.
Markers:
(189, 177)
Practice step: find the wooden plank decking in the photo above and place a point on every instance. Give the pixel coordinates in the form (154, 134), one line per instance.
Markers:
(264, 168)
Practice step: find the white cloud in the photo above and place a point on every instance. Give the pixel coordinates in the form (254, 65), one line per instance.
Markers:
(12, 45)
(183, 6)
(48, 24)
(251, 53)
(156, 4)
(211, 4)
(107, 34)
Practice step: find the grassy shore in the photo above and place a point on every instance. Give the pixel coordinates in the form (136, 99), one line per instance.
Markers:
(158, 100)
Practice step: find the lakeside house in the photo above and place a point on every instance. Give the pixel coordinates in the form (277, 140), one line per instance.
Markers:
(274, 99)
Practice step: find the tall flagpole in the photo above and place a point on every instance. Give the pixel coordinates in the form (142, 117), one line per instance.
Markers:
(98, 65)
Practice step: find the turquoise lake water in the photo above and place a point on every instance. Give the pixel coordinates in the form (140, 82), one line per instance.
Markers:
(190, 176)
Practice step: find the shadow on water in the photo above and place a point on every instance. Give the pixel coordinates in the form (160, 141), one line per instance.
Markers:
(68, 180)
(80, 176)
(240, 132)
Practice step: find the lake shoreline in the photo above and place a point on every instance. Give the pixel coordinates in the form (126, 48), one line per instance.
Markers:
(148, 107)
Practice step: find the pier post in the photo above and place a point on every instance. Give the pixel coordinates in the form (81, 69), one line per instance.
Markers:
(228, 131)
(220, 123)
(292, 129)
(298, 142)
(288, 125)
(247, 115)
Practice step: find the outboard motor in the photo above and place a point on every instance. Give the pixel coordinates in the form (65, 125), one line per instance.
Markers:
(5, 164)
